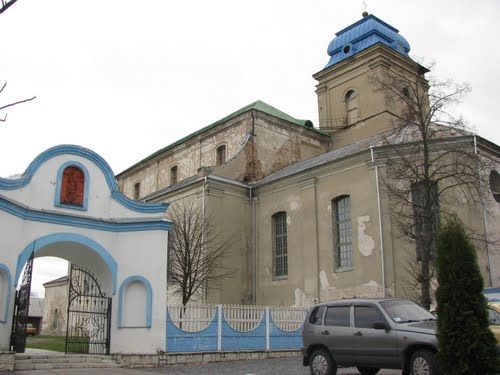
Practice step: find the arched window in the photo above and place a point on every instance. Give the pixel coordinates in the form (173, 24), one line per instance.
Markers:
(221, 155)
(351, 105)
(137, 191)
(280, 245)
(342, 229)
(5, 292)
(173, 175)
(495, 185)
(72, 186)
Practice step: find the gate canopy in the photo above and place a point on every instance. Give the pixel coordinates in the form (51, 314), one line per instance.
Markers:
(67, 204)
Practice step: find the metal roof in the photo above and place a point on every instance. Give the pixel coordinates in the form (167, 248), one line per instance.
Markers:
(363, 34)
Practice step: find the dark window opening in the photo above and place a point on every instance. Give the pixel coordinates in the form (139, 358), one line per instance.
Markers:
(338, 316)
(221, 155)
(365, 316)
(173, 175)
(137, 190)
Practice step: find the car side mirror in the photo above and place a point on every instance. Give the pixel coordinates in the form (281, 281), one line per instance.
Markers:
(381, 325)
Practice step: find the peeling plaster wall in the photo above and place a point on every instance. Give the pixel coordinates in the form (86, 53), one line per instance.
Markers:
(312, 272)
(56, 297)
(275, 144)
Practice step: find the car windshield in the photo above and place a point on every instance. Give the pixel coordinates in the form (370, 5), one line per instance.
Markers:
(403, 311)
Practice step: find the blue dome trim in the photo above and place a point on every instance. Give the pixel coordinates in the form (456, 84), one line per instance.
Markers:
(363, 34)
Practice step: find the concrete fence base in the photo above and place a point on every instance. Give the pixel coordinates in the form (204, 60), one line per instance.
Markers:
(7, 361)
(170, 359)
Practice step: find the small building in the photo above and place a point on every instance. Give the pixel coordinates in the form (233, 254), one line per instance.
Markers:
(55, 306)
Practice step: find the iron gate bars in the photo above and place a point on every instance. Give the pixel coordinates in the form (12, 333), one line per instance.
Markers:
(21, 309)
(89, 314)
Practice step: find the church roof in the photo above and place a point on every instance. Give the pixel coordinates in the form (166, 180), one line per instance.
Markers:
(360, 35)
(257, 105)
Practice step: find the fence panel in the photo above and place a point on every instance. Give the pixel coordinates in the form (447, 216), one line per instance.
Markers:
(201, 328)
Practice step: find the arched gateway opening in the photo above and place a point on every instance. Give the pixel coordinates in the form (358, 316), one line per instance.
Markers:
(90, 285)
(67, 204)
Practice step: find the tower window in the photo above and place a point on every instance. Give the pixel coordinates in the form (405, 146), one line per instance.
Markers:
(173, 175)
(221, 155)
(351, 102)
(346, 49)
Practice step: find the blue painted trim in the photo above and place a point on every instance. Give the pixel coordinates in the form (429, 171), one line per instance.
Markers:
(5, 270)
(12, 184)
(82, 222)
(57, 198)
(491, 290)
(44, 241)
(149, 301)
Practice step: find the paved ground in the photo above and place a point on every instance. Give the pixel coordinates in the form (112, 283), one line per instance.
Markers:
(288, 366)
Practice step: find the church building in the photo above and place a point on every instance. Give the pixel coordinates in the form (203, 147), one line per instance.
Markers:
(303, 202)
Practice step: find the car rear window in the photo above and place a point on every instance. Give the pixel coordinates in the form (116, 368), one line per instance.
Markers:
(338, 316)
(316, 315)
(365, 316)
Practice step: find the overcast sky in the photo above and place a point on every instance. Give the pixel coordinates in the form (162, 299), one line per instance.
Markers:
(126, 78)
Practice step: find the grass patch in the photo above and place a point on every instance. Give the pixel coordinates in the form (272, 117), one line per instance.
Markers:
(56, 343)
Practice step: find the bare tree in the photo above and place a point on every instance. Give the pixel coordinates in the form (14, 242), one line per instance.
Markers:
(5, 106)
(431, 160)
(196, 251)
(6, 4)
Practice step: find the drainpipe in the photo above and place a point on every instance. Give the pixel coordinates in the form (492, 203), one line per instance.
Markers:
(317, 238)
(484, 216)
(379, 222)
(254, 248)
(203, 227)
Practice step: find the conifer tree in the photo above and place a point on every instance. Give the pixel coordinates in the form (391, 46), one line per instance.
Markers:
(466, 345)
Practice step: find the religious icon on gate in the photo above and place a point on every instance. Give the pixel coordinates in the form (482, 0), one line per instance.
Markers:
(72, 186)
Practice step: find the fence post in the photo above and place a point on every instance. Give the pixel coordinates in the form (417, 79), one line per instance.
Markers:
(219, 328)
(268, 339)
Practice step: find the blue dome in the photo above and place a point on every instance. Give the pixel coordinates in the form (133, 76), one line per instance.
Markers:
(359, 36)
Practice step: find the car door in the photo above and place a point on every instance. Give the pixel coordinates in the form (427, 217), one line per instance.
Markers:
(373, 347)
(337, 333)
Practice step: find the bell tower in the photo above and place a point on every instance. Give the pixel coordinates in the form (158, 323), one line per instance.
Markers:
(349, 105)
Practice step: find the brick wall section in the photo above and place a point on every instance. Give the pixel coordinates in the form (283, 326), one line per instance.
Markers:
(167, 359)
(257, 144)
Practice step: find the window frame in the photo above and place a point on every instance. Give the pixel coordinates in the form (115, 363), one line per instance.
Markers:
(351, 100)
(137, 191)
(59, 181)
(174, 175)
(280, 261)
(339, 266)
(219, 160)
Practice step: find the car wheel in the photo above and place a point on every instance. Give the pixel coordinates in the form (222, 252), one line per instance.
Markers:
(368, 370)
(423, 362)
(322, 363)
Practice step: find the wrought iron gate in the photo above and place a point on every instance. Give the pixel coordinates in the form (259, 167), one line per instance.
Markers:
(89, 314)
(21, 308)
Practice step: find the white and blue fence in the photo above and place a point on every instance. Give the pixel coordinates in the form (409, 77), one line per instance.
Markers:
(211, 328)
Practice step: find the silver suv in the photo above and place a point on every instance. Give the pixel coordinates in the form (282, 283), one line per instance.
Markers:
(370, 334)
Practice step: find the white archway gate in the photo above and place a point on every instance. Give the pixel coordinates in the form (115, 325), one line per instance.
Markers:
(67, 204)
